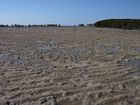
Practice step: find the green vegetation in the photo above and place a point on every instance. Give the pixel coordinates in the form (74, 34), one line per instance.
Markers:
(42, 25)
(119, 23)
(81, 25)
(52, 25)
(90, 25)
(108, 23)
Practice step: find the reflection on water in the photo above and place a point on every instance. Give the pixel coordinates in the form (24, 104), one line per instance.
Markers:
(3, 57)
(134, 63)
(137, 49)
(106, 49)
(45, 48)
(111, 50)
(131, 62)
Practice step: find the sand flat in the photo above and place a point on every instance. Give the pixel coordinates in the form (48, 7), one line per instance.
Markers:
(69, 66)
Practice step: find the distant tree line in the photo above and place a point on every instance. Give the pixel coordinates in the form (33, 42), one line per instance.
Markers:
(81, 25)
(90, 25)
(119, 23)
(19, 25)
(34, 25)
(4, 25)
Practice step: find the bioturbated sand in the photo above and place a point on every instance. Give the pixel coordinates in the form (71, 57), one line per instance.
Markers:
(69, 66)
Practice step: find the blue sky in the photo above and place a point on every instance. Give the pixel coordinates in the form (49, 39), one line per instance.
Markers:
(66, 12)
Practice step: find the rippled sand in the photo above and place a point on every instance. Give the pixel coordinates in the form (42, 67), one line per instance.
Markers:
(69, 66)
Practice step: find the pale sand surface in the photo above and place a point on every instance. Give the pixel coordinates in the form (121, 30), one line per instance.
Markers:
(67, 66)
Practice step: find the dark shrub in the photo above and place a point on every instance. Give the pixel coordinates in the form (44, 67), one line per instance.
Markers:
(81, 25)
(119, 23)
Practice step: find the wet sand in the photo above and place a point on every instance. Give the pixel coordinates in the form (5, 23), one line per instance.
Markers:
(69, 66)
